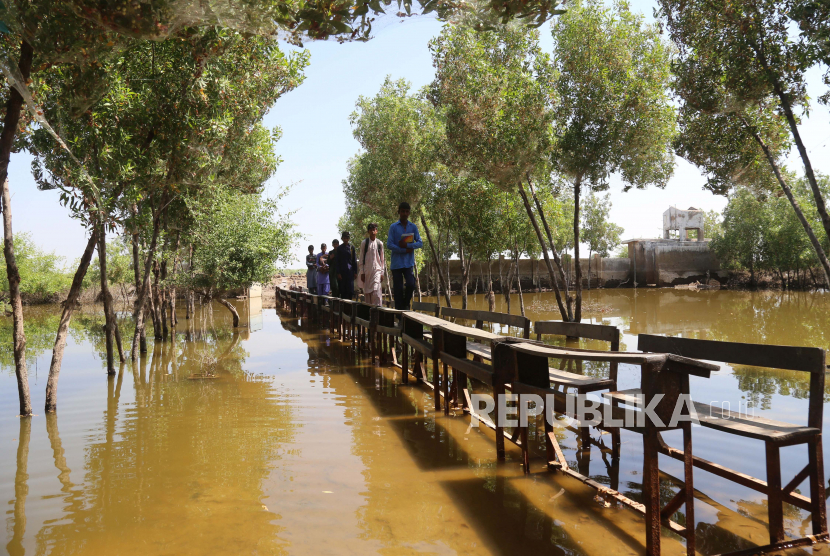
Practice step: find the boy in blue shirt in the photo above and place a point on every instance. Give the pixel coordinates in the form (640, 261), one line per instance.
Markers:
(402, 240)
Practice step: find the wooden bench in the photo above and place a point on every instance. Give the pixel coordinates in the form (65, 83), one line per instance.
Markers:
(583, 384)
(425, 307)
(525, 367)
(412, 335)
(388, 326)
(292, 302)
(325, 305)
(347, 319)
(452, 341)
(363, 325)
(336, 312)
(480, 351)
(774, 434)
(310, 307)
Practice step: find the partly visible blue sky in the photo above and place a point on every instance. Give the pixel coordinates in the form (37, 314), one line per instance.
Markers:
(317, 142)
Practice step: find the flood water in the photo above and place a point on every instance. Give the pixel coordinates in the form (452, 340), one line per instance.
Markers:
(277, 439)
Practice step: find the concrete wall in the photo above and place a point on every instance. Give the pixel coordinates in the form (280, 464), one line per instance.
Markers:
(605, 272)
(663, 262)
(650, 262)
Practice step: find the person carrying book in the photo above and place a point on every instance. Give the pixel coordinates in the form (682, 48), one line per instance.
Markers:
(372, 261)
(402, 241)
(346, 267)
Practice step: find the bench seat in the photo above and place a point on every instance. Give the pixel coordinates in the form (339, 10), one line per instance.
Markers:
(580, 382)
(482, 350)
(717, 418)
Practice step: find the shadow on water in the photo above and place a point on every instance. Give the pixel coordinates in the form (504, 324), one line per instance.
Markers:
(484, 490)
(507, 509)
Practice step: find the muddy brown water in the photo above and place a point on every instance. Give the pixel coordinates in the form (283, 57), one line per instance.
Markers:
(277, 439)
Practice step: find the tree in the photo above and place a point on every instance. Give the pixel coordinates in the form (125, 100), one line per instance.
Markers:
(494, 90)
(613, 112)
(743, 80)
(401, 135)
(741, 244)
(600, 235)
(166, 128)
(42, 275)
(237, 240)
(712, 224)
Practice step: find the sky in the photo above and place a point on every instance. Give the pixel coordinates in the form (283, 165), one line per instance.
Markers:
(317, 143)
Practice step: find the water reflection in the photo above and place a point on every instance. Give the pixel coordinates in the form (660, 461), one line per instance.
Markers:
(202, 453)
(186, 460)
(21, 489)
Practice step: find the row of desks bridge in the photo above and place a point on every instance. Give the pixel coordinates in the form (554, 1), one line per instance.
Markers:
(430, 338)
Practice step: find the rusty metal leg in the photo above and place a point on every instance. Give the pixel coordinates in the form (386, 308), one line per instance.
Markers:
(817, 487)
(651, 491)
(435, 384)
(525, 448)
(550, 453)
(405, 363)
(498, 390)
(446, 389)
(776, 502)
(615, 443)
(688, 466)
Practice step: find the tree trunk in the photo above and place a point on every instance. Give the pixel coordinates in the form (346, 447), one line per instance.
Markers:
(556, 259)
(137, 273)
(19, 334)
(144, 290)
(501, 273)
(449, 278)
(417, 282)
(465, 275)
(63, 327)
(822, 256)
(577, 265)
(519, 282)
(164, 297)
(109, 314)
(590, 253)
(802, 150)
(565, 313)
(230, 308)
(436, 280)
(510, 276)
(435, 260)
(156, 308)
(10, 125)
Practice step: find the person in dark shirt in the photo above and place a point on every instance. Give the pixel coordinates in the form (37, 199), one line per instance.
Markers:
(335, 290)
(346, 267)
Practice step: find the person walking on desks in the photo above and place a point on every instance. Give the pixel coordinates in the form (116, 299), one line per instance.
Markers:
(403, 239)
(335, 291)
(372, 264)
(346, 267)
(311, 270)
(322, 271)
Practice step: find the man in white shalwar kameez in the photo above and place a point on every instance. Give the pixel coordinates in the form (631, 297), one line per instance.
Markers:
(372, 261)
